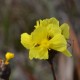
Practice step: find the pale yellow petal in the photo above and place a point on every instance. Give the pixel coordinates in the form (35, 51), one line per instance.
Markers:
(26, 40)
(46, 22)
(43, 23)
(54, 21)
(58, 43)
(37, 24)
(65, 30)
(67, 53)
(53, 30)
(39, 34)
(38, 53)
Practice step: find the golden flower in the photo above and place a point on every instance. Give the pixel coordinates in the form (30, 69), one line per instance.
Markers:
(47, 35)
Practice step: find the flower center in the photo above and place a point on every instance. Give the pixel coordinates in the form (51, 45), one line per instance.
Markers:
(45, 43)
(37, 45)
(49, 37)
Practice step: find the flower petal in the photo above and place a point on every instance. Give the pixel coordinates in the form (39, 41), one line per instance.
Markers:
(67, 53)
(58, 43)
(53, 30)
(46, 22)
(26, 40)
(39, 53)
(37, 24)
(54, 21)
(65, 30)
(39, 34)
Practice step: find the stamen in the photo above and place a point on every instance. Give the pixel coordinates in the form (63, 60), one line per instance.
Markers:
(37, 45)
(49, 37)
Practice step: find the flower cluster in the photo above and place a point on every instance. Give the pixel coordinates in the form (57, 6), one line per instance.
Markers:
(47, 35)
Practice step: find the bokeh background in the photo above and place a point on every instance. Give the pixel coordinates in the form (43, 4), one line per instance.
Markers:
(18, 16)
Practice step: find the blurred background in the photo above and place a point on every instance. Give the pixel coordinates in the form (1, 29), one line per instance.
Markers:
(18, 16)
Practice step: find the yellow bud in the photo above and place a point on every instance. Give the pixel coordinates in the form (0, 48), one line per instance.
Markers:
(9, 56)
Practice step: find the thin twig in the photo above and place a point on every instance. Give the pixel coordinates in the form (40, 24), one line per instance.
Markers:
(52, 68)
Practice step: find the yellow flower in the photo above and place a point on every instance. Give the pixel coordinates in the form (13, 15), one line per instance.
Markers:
(42, 39)
(8, 56)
